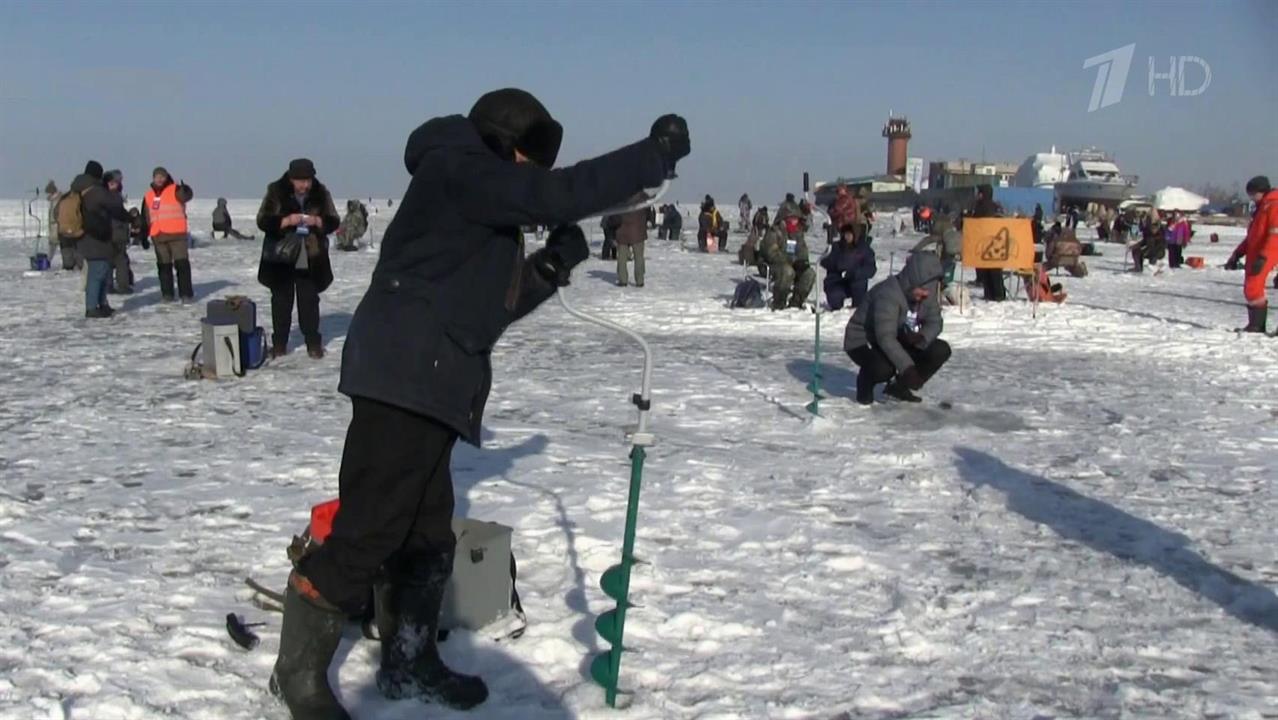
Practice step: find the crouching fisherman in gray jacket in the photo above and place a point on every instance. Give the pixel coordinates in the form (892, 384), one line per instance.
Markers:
(894, 334)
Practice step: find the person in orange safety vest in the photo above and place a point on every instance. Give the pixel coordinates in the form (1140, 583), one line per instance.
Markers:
(164, 211)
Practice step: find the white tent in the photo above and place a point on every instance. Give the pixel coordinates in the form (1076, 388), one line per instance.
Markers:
(1174, 198)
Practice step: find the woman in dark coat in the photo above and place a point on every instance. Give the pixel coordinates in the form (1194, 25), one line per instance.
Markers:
(297, 204)
(849, 266)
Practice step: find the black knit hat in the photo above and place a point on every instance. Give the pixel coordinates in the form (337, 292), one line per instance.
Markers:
(512, 119)
(93, 169)
(1258, 184)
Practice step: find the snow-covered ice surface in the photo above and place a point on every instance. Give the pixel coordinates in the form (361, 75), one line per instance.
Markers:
(1088, 533)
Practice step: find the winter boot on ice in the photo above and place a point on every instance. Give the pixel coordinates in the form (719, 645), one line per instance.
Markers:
(900, 392)
(311, 632)
(1257, 318)
(185, 290)
(166, 281)
(864, 389)
(408, 604)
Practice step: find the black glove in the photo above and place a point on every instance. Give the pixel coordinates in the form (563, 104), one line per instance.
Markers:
(565, 249)
(913, 338)
(671, 134)
(1257, 265)
(911, 378)
(1232, 263)
(184, 192)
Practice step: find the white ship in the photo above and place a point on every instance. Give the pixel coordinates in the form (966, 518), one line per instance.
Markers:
(1086, 177)
(1094, 179)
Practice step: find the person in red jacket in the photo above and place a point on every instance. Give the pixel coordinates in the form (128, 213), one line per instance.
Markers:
(1259, 252)
(844, 210)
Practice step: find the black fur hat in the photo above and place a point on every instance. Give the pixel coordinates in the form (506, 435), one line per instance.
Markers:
(301, 169)
(512, 119)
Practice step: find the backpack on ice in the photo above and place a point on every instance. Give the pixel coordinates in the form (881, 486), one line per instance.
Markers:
(70, 215)
(749, 295)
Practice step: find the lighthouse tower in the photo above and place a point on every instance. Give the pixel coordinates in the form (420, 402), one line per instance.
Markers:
(897, 131)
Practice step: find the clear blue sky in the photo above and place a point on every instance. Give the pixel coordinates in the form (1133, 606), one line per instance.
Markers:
(225, 93)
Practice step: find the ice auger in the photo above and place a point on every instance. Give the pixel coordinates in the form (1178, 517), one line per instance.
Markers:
(611, 625)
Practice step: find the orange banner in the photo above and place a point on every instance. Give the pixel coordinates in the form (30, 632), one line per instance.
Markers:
(998, 244)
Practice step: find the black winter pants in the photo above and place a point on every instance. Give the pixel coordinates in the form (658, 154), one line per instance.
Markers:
(123, 282)
(300, 285)
(396, 496)
(876, 367)
(1175, 256)
(993, 283)
(229, 231)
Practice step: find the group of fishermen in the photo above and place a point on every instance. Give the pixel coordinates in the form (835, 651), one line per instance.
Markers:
(777, 246)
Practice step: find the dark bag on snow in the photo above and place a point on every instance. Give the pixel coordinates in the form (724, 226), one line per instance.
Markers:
(749, 295)
(283, 251)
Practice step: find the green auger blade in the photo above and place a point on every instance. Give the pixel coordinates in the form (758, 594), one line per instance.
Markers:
(613, 582)
(601, 669)
(606, 626)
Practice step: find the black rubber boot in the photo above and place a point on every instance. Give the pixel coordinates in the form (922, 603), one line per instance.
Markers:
(1257, 318)
(408, 604)
(308, 639)
(864, 389)
(166, 280)
(185, 289)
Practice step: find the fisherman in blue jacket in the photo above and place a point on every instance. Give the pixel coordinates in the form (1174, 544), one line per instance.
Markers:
(849, 267)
